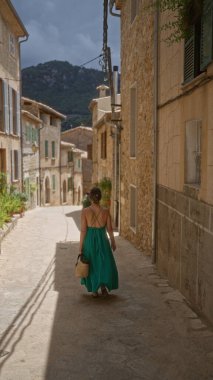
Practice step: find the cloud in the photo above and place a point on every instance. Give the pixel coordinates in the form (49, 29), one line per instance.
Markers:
(65, 30)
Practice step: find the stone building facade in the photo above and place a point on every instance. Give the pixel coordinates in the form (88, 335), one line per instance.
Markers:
(11, 29)
(67, 173)
(104, 142)
(49, 150)
(185, 163)
(181, 76)
(30, 157)
(79, 157)
(137, 73)
(82, 138)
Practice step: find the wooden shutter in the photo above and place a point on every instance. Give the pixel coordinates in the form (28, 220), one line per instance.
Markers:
(6, 108)
(11, 109)
(1, 106)
(53, 149)
(12, 165)
(53, 182)
(206, 45)
(46, 148)
(193, 151)
(18, 114)
(133, 118)
(189, 55)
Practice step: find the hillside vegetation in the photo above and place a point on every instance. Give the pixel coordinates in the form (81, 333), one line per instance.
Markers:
(67, 88)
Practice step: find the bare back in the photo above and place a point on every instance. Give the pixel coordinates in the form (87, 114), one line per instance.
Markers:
(96, 216)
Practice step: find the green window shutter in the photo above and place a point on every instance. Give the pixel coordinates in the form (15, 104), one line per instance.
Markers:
(33, 135)
(53, 149)
(36, 135)
(46, 148)
(70, 156)
(70, 184)
(53, 182)
(189, 55)
(206, 46)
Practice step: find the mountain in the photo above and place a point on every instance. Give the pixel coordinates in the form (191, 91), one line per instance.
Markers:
(64, 87)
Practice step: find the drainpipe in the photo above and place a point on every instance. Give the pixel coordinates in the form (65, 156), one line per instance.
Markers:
(111, 5)
(155, 125)
(60, 169)
(21, 129)
(116, 140)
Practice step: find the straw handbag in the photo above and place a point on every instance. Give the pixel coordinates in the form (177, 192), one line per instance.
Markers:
(81, 267)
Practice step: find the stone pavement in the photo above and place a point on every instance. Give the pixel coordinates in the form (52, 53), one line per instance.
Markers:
(51, 329)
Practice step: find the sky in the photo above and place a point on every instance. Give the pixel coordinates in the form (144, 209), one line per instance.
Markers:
(66, 30)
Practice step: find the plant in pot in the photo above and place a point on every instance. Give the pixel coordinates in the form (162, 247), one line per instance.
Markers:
(106, 187)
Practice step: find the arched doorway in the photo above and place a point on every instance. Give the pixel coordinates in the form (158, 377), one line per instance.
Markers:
(64, 192)
(47, 190)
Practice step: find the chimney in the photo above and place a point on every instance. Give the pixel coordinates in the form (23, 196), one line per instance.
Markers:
(115, 82)
(102, 90)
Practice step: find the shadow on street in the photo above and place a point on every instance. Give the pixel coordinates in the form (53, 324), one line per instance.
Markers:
(77, 321)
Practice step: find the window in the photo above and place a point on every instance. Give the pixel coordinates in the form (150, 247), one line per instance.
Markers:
(46, 148)
(34, 135)
(198, 48)
(53, 149)
(104, 145)
(15, 166)
(89, 152)
(53, 121)
(70, 184)
(13, 100)
(2, 160)
(193, 152)
(133, 207)
(1, 106)
(4, 107)
(70, 156)
(14, 111)
(134, 9)
(53, 182)
(133, 120)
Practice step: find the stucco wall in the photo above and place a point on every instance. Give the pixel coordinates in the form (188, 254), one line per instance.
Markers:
(184, 212)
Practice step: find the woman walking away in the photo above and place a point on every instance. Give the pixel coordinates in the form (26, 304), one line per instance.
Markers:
(95, 247)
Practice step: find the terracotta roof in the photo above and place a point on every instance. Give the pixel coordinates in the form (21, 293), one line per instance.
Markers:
(71, 130)
(30, 116)
(67, 144)
(45, 107)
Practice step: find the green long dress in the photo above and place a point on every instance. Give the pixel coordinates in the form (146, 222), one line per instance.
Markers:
(102, 266)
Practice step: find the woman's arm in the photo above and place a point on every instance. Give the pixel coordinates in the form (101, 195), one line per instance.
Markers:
(110, 231)
(83, 230)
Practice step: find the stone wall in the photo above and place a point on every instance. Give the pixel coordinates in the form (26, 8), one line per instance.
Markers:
(137, 68)
(185, 246)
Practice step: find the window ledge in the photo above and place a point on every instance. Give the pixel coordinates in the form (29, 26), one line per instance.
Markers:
(194, 82)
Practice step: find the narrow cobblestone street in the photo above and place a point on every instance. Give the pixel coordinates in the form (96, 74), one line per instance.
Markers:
(51, 329)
